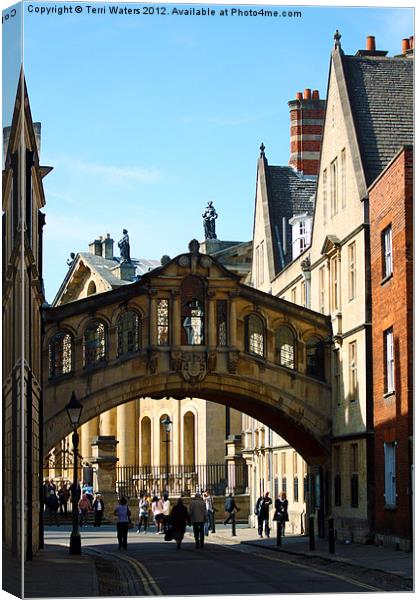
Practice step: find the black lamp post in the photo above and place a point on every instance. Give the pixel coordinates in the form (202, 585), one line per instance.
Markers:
(167, 423)
(74, 410)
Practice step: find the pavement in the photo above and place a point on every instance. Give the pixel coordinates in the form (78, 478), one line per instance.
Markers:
(368, 556)
(55, 573)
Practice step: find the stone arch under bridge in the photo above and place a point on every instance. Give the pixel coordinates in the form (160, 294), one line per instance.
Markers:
(196, 331)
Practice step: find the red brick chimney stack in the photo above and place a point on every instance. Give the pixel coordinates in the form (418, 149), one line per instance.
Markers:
(405, 45)
(370, 43)
(411, 42)
(306, 126)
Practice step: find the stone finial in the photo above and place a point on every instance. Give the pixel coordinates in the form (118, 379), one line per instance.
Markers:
(337, 38)
(262, 150)
(165, 259)
(194, 246)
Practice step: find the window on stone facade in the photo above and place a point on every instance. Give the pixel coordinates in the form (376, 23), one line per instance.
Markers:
(343, 177)
(315, 358)
(322, 305)
(354, 475)
(335, 284)
(283, 473)
(390, 477)
(285, 347)
(60, 354)
(221, 309)
(387, 266)
(94, 343)
(352, 271)
(353, 386)
(293, 295)
(324, 195)
(255, 335)
(337, 374)
(276, 487)
(337, 476)
(128, 327)
(163, 322)
(389, 361)
(295, 478)
(334, 188)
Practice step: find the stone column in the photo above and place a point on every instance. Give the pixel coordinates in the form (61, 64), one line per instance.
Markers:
(212, 325)
(126, 433)
(88, 431)
(108, 422)
(232, 320)
(152, 318)
(104, 460)
(234, 460)
(176, 318)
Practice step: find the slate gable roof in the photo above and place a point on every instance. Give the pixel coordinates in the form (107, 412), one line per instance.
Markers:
(381, 96)
(103, 266)
(288, 194)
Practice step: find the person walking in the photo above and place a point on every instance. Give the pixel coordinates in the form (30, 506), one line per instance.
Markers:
(166, 505)
(143, 513)
(262, 510)
(178, 519)
(98, 510)
(63, 497)
(52, 508)
(198, 515)
(84, 509)
(281, 505)
(157, 510)
(230, 508)
(208, 500)
(123, 514)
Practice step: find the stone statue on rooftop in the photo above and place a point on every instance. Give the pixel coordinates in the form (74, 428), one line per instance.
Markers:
(337, 38)
(209, 221)
(70, 260)
(124, 246)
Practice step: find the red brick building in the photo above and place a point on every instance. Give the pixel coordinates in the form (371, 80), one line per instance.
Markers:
(391, 221)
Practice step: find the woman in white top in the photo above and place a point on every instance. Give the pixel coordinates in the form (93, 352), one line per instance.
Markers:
(122, 512)
(143, 513)
(157, 510)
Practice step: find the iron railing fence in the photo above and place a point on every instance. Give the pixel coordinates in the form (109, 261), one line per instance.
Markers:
(182, 480)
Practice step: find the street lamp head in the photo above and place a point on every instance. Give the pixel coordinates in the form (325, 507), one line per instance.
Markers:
(167, 423)
(74, 410)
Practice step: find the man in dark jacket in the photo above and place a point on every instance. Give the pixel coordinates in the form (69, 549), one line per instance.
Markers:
(230, 508)
(98, 510)
(262, 510)
(52, 507)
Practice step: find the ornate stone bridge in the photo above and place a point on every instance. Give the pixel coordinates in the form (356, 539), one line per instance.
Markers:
(190, 329)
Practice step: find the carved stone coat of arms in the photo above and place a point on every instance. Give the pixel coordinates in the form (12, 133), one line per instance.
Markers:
(193, 366)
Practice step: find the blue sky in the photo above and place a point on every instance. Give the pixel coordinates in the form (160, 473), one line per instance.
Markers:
(146, 118)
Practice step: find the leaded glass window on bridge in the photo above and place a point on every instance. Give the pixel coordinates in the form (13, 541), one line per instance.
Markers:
(163, 322)
(128, 332)
(94, 345)
(194, 323)
(255, 335)
(60, 354)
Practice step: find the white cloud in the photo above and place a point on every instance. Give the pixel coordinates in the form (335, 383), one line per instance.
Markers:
(110, 173)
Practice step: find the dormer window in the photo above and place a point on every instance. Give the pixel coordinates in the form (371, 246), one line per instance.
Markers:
(301, 233)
